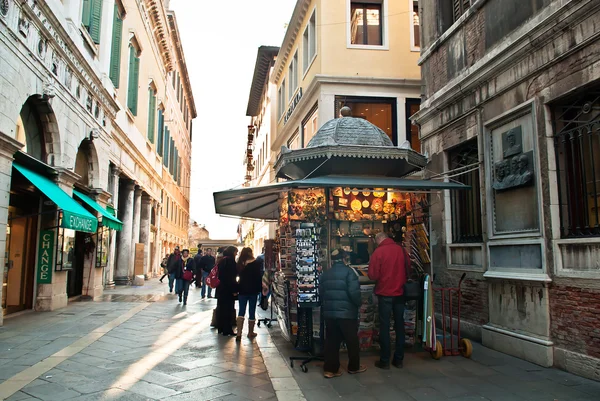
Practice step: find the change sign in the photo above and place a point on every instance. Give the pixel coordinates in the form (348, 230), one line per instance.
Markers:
(45, 257)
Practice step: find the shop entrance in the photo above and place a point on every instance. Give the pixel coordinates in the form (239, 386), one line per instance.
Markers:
(18, 280)
(75, 275)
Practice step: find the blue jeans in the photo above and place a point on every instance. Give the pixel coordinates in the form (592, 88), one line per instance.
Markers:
(249, 300)
(204, 285)
(171, 281)
(182, 287)
(387, 306)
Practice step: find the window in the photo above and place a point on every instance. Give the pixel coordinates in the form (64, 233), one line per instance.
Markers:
(172, 156)
(133, 81)
(577, 142)
(415, 34)
(91, 18)
(281, 100)
(166, 148)
(381, 112)
(161, 128)
(412, 131)
(309, 125)
(459, 7)
(293, 75)
(309, 43)
(151, 113)
(366, 25)
(115, 52)
(466, 205)
(294, 142)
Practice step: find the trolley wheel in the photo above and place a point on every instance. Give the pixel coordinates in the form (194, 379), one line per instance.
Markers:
(466, 348)
(258, 323)
(304, 368)
(269, 325)
(438, 351)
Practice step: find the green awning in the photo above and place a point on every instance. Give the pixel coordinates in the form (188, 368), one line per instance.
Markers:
(108, 219)
(74, 216)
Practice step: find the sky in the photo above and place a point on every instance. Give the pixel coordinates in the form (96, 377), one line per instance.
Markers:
(220, 46)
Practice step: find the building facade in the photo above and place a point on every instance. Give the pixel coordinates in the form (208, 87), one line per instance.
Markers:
(511, 107)
(259, 158)
(86, 103)
(347, 53)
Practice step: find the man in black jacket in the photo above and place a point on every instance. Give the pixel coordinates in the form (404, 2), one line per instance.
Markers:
(340, 300)
(197, 268)
(173, 266)
(207, 262)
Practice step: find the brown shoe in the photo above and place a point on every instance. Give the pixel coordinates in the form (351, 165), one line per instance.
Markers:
(330, 375)
(361, 369)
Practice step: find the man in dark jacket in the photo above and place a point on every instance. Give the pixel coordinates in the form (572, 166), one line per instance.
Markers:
(207, 262)
(340, 300)
(174, 264)
(389, 266)
(197, 267)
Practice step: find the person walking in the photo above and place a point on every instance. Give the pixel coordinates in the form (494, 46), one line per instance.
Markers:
(226, 291)
(389, 267)
(250, 284)
(163, 264)
(340, 301)
(207, 262)
(182, 286)
(198, 267)
(173, 267)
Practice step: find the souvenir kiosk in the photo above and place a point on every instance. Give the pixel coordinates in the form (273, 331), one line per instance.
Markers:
(340, 191)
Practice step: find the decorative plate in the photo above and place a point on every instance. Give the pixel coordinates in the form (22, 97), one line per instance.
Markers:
(356, 205)
(379, 193)
(347, 191)
(365, 204)
(355, 191)
(366, 193)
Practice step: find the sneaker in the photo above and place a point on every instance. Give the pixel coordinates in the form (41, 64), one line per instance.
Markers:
(360, 369)
(398, 364)
(203, 297)
(331, 375)
(382, 365)
(210, 296)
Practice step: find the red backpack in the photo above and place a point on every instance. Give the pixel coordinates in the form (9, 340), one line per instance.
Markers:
(213, 278)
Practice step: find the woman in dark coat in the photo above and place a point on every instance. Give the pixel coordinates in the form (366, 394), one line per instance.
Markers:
(340, 295)
(250, 286)
(226, 291)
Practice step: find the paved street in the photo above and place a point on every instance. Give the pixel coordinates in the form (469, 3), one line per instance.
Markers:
(140, 344)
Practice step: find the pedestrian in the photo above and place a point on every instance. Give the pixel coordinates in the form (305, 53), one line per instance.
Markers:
(340, 300)
(182, 286)
(163, 264)
(389, 267)
(226, 291)
(173, 266)
(198, 267)
(250, 284)
(207, 262)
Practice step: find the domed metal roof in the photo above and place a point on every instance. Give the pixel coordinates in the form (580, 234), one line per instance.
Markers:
(348, 130)
(348, 146)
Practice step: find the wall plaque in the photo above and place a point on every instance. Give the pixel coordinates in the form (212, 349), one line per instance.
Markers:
(516, 168)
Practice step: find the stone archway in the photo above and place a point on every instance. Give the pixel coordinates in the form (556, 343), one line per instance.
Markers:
(37, 128)
(87, 165)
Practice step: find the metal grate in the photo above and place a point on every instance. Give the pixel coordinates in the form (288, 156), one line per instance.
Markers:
(466, 205)
(577, 144)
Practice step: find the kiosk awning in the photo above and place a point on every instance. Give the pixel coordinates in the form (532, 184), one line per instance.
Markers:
(108, 219)
(262, 202)
(75, 216)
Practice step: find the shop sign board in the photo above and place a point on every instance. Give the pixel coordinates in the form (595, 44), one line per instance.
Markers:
(293, 105)
(193, 251)
(45, 257)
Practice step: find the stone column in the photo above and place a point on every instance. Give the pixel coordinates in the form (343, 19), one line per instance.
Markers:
(112, 255)
(146, 211)
(158, 250)
(8, 147)
(124, 253)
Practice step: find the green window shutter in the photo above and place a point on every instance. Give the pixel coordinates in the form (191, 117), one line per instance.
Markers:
(151, 114)
(96, 20)
(134, 77)
(159, 137)
(166, 148)
(115, 54)
(172, 153)
(86, 14)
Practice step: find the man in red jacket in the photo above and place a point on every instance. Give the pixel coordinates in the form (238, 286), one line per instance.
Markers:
(389, 266)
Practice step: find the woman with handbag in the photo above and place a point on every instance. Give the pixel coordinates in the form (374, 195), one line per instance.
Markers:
(227, 290)
(185, 276)
(250, 286)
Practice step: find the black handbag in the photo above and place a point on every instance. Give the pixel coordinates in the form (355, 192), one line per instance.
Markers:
(264, 302)
(412, 291)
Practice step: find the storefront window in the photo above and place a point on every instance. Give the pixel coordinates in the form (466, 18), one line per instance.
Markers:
(294, 142)
(309, 126)
(378, 111)
(102, 246)
(66, 249)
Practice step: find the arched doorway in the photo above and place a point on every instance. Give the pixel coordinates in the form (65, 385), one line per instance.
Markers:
(37, 129)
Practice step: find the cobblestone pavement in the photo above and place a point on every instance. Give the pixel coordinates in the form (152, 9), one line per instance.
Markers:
(138, 343)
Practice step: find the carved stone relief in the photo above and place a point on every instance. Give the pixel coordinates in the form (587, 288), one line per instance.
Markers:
(24, 25)
(4, 7)
(516, 168)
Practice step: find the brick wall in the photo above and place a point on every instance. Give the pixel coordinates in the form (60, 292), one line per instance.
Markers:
(475, 38)
(474, 306)
(575, 319)
(436, 75)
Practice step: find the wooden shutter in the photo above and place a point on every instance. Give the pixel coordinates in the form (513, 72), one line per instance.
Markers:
(151, 114)
(86, 14)
(134, 77)
(115, 55)
(166, 148)
(171, 157)
(159, 137)
(96, 20)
